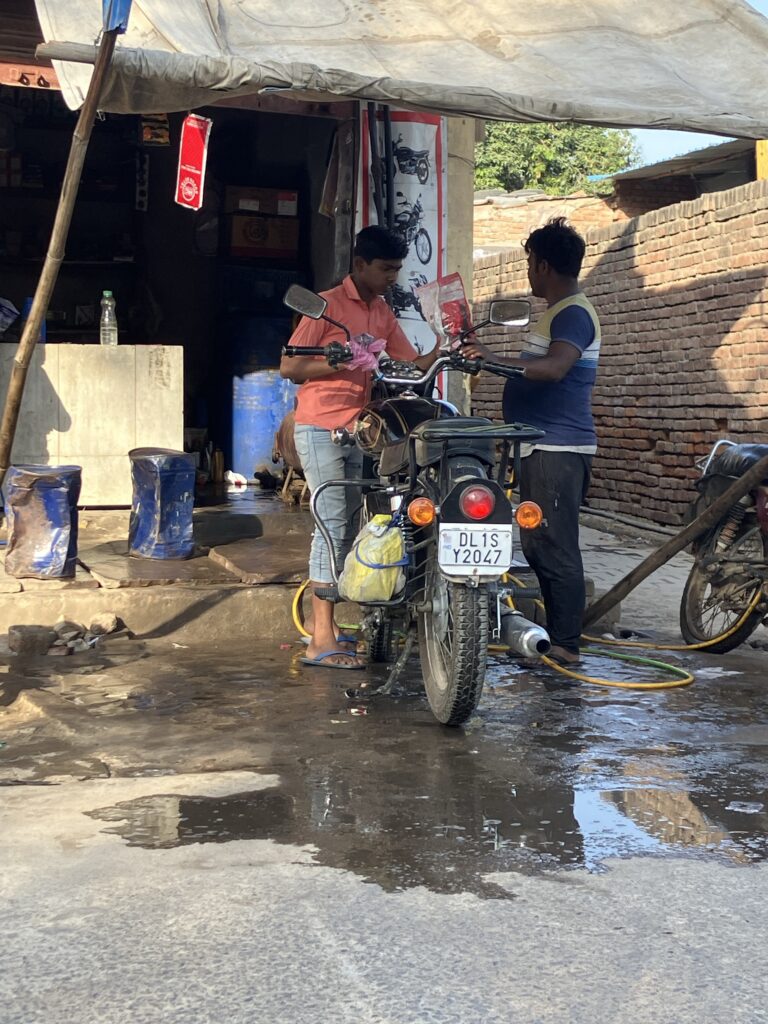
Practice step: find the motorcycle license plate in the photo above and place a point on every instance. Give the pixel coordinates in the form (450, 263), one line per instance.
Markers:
(474, 550)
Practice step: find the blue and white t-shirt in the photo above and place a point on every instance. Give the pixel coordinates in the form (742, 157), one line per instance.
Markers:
(561, 408)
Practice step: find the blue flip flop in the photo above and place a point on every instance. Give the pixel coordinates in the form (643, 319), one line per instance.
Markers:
(320, 662)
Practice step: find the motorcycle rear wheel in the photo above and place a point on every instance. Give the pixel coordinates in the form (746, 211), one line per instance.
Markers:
(712, 605)
(422, 172)
(453, 645)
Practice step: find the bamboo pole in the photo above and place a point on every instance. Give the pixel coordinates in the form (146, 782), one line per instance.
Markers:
(755, 475)
(55, 254)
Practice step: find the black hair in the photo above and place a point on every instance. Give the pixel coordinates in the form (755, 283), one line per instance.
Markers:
(558, 244)
(377, 243)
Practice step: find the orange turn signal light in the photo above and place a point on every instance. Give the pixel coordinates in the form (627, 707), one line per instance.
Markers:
(528, 515)
(421, 511)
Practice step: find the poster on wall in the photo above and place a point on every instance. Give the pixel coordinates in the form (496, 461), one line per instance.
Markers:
(416, 160)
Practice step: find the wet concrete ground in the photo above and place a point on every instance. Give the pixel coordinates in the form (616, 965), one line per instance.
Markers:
(218, 834)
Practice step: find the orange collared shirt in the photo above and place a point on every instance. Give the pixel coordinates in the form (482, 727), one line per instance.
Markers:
(336, 401)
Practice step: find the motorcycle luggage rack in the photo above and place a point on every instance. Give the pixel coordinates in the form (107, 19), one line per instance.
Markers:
(510, 434)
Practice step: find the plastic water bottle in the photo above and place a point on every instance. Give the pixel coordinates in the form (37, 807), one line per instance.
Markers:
(108, 325)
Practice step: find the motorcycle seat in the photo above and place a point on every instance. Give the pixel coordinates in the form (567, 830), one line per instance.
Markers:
(394, 458)
(429, 452)
(736, 460)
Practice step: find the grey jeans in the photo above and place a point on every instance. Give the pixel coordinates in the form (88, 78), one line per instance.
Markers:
(322, 460)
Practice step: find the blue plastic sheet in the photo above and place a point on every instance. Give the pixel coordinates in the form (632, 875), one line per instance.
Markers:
(41, 509)
(163, 498)
(116, 14)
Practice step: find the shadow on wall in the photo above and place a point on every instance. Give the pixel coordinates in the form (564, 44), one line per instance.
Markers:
(42, 416)
(681, 298)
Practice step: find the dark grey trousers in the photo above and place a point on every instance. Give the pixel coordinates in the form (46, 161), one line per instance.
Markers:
(558, 482)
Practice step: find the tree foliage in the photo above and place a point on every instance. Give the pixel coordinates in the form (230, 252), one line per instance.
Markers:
(557, 158)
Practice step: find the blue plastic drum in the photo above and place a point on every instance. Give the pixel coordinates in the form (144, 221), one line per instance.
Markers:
(260, 400)
(41, 509)
(163, 499)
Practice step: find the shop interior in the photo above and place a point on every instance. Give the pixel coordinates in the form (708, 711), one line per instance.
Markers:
(278, 209)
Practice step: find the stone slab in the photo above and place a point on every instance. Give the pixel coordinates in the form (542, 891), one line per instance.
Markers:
(111, 565)
(82, 581)
(257, 561)
(8, 584)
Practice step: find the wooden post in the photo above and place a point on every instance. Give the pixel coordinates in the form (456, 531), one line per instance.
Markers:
(662, 555)
(55, 254)
(761, 159)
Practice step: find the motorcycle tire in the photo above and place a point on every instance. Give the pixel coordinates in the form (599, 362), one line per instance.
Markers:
(382, 642)
(709, 609)
(453, 644)
(423, 246)
(422, 172)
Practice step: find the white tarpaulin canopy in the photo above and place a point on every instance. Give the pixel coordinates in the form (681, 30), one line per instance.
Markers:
(693, 64)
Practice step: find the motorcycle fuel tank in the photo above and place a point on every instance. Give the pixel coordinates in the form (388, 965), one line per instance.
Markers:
(389, 420)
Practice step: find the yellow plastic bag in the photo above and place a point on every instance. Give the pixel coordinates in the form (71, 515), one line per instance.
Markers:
(373, 569)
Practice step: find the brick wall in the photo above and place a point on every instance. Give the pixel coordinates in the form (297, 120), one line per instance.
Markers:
(682, 295)
(506, 220)
(636, 196)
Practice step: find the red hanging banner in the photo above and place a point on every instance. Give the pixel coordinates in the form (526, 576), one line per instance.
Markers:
(193, 152)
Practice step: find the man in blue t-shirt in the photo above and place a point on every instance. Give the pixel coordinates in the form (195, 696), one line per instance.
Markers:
(559, 364)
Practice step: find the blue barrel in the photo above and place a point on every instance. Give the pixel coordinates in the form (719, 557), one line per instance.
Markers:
(41, 509)
(163, 499)
(260, 400)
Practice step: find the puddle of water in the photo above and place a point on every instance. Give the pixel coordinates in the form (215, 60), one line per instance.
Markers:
(447, 842)
(539, 781)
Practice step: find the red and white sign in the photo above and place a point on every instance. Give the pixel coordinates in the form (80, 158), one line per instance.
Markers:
(193, 153)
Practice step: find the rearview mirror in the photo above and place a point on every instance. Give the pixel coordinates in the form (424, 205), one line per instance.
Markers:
(510, 312)
(302, 300)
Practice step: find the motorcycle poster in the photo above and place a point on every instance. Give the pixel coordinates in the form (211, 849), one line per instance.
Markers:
(416, 162)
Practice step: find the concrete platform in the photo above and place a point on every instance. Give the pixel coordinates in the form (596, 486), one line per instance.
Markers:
(113, 568)
(262, 560)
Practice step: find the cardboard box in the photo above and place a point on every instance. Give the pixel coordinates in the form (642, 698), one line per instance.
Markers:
(272, 202)
(257, 237)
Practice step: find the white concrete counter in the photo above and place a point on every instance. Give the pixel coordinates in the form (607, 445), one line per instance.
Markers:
(88, 405)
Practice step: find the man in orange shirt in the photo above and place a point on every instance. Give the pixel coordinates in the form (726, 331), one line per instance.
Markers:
(333, 397)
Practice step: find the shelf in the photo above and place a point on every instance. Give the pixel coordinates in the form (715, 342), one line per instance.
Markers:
(19, 192)
(9, 261)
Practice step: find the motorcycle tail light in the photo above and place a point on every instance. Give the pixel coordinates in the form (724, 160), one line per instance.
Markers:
(421, 511)
(477, 502)
(528, 515)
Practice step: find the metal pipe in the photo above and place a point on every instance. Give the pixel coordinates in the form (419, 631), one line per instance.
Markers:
(524, 636)
(388, 168)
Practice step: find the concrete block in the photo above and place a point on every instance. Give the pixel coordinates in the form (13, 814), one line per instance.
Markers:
(159, 396)
(97, 385)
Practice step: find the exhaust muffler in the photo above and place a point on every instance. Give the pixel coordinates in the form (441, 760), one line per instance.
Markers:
(523, 636)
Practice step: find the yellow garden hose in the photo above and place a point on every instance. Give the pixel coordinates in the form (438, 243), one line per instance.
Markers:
(681, 677)
(298, 617)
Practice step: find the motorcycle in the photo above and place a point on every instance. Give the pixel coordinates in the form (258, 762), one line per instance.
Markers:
(403, 299)
(407, 224)
(438, 476)
(725, 590)
(410, 161)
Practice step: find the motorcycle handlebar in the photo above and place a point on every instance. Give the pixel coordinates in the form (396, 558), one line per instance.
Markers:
(304, 350)
(469, 366)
